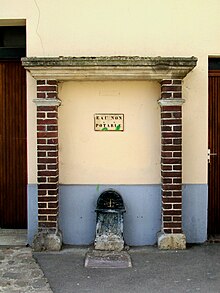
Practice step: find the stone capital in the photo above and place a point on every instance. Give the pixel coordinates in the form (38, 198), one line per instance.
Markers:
(171, 102)
(47, 102)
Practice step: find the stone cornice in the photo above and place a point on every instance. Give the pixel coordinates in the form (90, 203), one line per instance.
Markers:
(109, 68)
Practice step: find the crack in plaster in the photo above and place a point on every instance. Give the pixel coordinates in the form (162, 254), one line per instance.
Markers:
(38, 22)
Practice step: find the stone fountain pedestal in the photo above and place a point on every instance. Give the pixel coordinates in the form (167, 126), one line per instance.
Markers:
(109, 226)
(110, 242)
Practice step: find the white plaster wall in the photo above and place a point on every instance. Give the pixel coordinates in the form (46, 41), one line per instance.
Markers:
(128, 27)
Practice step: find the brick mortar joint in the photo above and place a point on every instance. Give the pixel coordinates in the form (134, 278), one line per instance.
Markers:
(46, 144)
(171, 120)
(51, 209)
(171, 131)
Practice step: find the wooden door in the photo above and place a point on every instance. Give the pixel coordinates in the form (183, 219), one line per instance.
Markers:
(214, 148)
(13, 148)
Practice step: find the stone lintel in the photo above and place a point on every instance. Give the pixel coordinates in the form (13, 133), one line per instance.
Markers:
(171, 102)
(47, 102)
(109, 68)
(171, 241)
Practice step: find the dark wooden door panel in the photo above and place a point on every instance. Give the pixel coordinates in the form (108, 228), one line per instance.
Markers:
(214, 146)
(2, 138)
(13, 149)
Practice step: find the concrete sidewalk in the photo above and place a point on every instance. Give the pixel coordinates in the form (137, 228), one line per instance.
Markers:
(196, 269)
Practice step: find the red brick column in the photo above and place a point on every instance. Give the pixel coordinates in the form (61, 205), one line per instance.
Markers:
(171, 165)
(48, 236)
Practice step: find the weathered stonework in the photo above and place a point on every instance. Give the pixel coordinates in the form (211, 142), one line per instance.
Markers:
(171, 241)
(47, 240)
(109, 226)
(109, 242)
(109, 68)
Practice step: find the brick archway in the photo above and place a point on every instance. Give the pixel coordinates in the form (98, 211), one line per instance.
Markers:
(169, 71)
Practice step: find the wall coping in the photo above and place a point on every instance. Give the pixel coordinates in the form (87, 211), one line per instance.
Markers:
(109, 68)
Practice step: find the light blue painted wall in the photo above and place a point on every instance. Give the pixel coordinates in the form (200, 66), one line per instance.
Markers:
(142, 219)
(195, 212)
(32, 211)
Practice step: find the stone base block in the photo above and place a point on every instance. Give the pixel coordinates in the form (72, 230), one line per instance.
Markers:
(107, 259)
(171, 241)
(111, 243)
(45, 240)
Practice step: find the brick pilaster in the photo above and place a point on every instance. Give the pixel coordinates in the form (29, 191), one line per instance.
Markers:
(47, 154)
(171, 155)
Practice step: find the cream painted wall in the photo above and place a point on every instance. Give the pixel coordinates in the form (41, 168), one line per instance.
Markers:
(129, 157)
(31, 129)
(195, 125)
(126, 27)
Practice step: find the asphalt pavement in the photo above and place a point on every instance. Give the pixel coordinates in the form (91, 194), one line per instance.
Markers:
(196, 269)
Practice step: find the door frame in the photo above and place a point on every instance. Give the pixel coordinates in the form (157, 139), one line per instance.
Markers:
(212, 158)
